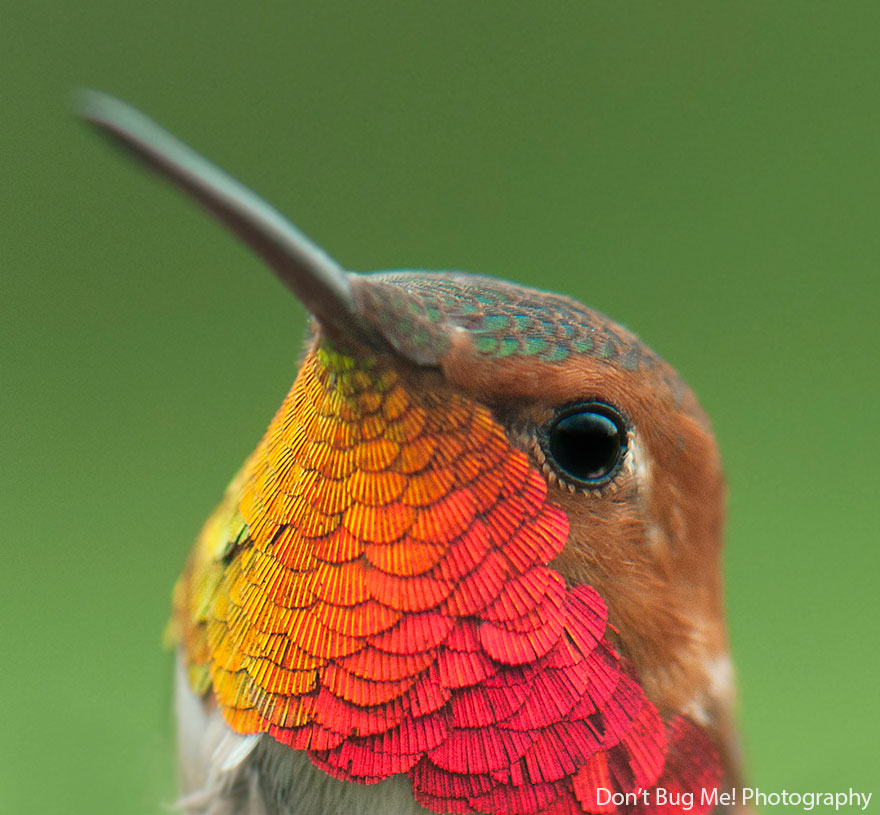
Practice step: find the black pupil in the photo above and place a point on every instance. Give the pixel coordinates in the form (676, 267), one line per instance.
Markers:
(586, 445)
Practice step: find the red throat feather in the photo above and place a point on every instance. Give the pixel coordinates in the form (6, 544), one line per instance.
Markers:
(389, 608)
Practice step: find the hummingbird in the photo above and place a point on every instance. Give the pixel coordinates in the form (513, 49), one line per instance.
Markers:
(473, 565)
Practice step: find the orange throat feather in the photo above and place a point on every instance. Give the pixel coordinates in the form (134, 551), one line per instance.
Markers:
(374, 589)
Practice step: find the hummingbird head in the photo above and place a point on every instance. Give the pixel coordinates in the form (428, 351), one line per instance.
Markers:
(621, 440)
(422, 395)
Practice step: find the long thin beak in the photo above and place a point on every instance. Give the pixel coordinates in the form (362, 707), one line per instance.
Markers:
(315, 278)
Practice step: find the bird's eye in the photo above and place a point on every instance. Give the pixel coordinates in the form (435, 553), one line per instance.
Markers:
(586, 443)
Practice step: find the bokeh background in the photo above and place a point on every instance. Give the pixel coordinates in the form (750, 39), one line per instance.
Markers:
(708, 174)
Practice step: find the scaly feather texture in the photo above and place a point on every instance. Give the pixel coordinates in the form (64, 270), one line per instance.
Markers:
(379, 596)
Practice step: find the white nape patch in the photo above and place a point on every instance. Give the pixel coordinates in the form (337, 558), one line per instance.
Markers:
(225, 773)
(719, 671)
(721, 679)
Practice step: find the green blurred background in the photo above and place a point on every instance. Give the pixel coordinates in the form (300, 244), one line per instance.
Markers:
(706, 173)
